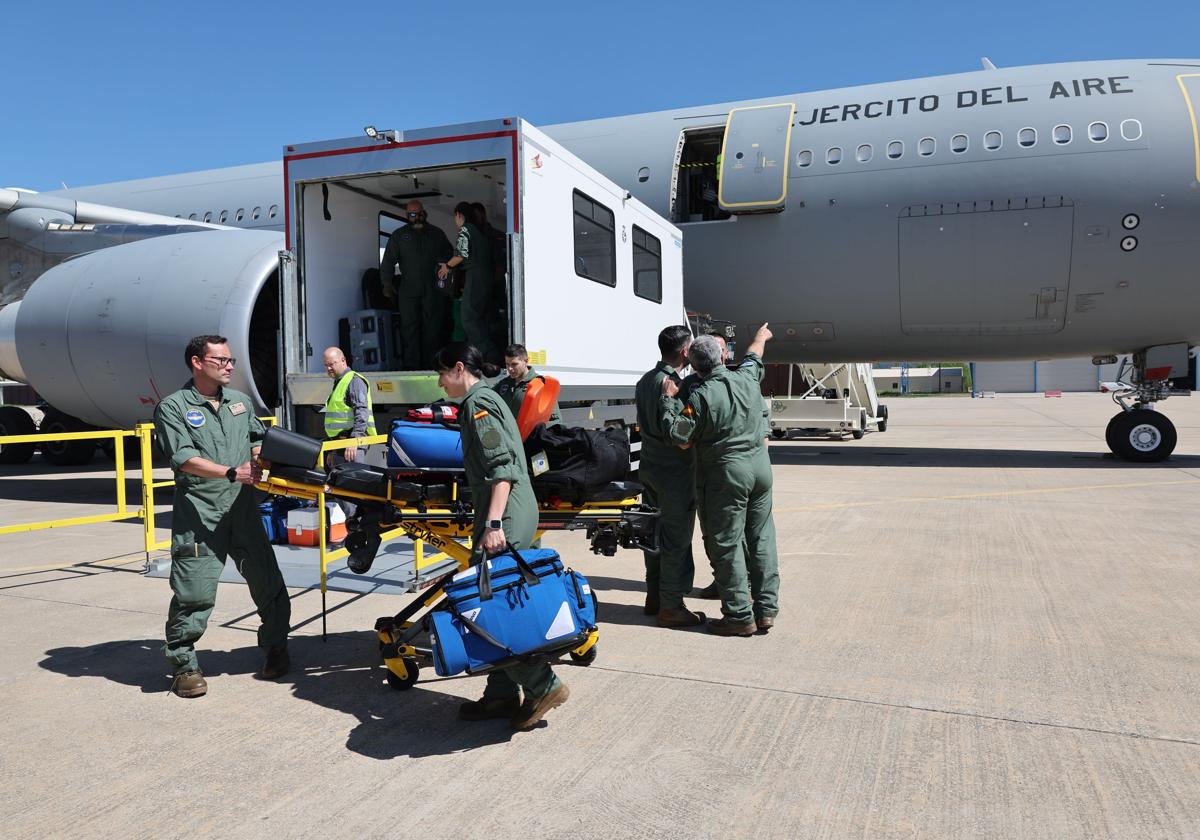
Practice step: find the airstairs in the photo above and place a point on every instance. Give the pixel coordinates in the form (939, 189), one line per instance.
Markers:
(828, 399)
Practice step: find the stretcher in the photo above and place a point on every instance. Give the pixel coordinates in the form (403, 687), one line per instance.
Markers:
(434, 506)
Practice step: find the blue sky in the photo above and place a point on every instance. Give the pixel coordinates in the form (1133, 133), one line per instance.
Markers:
(105, 92)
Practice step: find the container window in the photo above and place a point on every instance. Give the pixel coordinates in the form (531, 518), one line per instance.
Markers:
(1062, 134)
(833, 156)
(1027, 137)
(993, 140)
(1131, 129)
(895, 149)
(647, 265)
(1098, 132)
(595, 240)
(864, 153)
(926, 147)
(959, 143)
(805, 158)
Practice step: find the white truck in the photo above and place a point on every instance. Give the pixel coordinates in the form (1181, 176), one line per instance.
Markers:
(592, 274)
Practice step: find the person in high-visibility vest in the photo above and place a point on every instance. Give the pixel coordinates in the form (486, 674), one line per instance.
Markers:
(348, 412)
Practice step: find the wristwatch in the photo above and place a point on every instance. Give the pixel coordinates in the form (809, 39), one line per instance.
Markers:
(495, 525)
(231, 474)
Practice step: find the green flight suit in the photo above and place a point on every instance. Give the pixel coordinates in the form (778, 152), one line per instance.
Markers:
(214, 518)
(477, 312)
(420, 305)
(723, 420)
(492, 452)
(512, 391)
(668, 475)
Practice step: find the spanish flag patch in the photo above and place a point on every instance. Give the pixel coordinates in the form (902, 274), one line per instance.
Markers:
(687, 410)
(479, 415)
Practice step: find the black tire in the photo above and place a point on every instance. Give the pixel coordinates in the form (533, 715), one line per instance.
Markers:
(69, 453)
(778, 434)
(857, 434)
(585, 659)
(414, 673)
(1143, 436)
(16, 421)
(883, 417)
(133, 451)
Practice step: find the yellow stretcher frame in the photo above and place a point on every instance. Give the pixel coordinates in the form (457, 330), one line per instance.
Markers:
(444, 528)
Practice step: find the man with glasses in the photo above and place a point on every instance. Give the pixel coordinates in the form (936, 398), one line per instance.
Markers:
(421, 305)
(211, 436)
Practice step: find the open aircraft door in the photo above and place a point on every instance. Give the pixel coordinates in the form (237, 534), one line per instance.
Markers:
(754, 159)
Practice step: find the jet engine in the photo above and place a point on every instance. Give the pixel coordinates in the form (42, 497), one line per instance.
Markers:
(102, 335)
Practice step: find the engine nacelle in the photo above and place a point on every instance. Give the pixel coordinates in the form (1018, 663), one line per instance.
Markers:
(102, 336)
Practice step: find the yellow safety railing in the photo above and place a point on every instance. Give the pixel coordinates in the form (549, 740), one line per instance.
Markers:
(122, 511)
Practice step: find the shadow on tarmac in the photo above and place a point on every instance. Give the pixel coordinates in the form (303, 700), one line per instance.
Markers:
(853, 454)
(344, 674)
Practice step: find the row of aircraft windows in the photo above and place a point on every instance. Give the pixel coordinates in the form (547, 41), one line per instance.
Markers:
(1027, 138)
(238, 216)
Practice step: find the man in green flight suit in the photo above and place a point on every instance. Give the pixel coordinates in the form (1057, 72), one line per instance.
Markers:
(512, 388)
(722, 419)
(667, 473)
(210, 435)
(417, 249)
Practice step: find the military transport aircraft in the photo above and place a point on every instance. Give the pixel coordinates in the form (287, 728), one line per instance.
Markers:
(1027, 212)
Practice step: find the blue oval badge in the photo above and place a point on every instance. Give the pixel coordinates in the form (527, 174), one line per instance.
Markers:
(195, 418)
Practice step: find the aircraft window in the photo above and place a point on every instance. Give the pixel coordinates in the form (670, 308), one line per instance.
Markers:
(1098, 132)
(224, 215)
(926, 147)
(647, 265)
(895, 149)
(255, 213)
(208, 216)
(959, 143)
(1062, 134)
(1027, 137)
(804, 158)
(240, 214)
(1131, 129)
(864, 153)
(595, 240)
(177, 216)
(993, 140)
(833, 156)
(273, 211)
(192, 217)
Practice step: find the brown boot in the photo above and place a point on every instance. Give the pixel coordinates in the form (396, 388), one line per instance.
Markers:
(189, 684)
(682, 617)
(535, 708)
(724, 627)
(765, 622)
(489, 708)
(278, 663)
(709, 593)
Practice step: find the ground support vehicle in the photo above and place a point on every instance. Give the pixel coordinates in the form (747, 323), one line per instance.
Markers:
(838, 399)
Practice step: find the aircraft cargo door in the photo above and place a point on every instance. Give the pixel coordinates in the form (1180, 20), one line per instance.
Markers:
(754, 159)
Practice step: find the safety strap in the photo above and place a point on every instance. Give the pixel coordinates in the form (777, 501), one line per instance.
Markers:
(480, 632)
(485, 575)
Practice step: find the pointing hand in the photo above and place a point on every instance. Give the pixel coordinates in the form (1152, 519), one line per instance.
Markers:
(763, 334)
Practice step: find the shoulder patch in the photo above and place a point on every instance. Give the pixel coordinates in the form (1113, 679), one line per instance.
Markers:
(688, 410)
(490, 439)
(479, 415)
(194, 418)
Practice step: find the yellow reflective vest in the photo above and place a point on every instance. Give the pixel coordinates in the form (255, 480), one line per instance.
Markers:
(339, 414)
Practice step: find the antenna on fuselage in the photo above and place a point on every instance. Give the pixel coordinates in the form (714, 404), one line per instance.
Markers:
(987, 63)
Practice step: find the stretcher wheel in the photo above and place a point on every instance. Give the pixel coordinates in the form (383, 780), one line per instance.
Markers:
(414, 673)
(583, 659)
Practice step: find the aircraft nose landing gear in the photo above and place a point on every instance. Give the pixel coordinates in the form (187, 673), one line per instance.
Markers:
(1139, 433)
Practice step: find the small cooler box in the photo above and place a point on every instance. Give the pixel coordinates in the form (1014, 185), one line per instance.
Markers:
(424, 445)
(302, 525)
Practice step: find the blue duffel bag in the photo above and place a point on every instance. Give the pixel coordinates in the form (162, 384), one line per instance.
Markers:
(510, 607)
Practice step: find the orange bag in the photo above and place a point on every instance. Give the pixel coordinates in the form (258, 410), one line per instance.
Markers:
(540, 396)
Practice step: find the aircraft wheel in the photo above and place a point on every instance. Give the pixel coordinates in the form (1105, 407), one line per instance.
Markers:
(1141, 435)
(883, 415)
(65, 453)
(16, 421)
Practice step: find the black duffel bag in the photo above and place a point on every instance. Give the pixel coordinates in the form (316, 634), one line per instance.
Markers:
(580, 461)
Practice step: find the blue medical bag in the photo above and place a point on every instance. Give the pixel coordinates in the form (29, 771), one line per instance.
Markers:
(274, 513)
(424, 445)
(508, 607)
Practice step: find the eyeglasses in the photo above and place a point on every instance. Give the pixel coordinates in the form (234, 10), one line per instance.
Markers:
(412, 214)
(221, 361)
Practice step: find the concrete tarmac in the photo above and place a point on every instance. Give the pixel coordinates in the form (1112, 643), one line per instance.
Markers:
(988, 630)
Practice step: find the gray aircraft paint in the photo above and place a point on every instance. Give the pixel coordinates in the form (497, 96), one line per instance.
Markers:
(1007, 253)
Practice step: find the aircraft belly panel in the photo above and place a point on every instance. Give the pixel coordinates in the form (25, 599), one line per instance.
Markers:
(986, 273)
